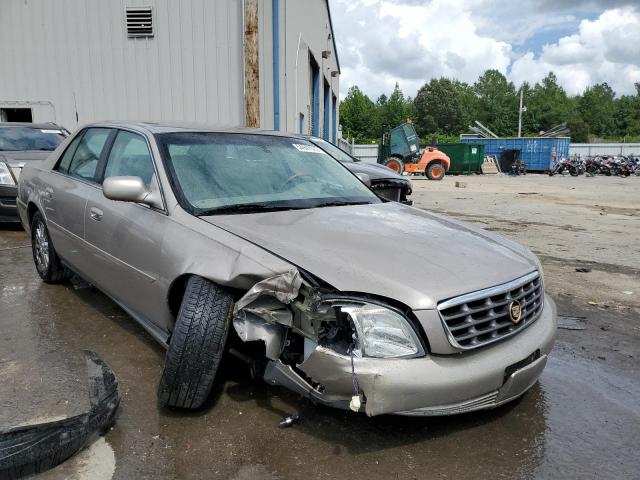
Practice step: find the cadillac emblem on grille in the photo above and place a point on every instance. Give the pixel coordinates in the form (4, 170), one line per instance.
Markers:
(515, 312)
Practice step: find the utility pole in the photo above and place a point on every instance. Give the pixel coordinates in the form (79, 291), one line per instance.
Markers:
(522, 109)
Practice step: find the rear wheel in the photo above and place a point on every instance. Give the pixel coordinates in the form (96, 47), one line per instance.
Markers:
(394, 164)
(435, 171)
(46, 260)
(197, 345)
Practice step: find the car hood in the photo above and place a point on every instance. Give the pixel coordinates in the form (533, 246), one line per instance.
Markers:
(19, 158)
(374, 170)
(387, 249)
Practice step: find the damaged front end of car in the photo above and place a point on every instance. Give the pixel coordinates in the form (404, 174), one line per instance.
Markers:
(329, 347)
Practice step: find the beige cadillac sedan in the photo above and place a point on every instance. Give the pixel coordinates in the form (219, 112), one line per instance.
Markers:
(260, 245)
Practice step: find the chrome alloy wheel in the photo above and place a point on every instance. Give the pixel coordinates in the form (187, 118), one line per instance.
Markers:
(41, 247)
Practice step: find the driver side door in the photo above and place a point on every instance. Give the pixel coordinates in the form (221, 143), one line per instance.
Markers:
(126, 238)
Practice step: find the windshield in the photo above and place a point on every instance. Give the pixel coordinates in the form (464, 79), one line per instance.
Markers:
(228, 172)
(332, 150)
(30, 138)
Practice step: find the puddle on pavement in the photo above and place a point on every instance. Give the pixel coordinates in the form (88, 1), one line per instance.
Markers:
(581, 421)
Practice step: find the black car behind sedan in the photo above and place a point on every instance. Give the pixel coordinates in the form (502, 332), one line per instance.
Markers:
(21, 143)
(384, 181)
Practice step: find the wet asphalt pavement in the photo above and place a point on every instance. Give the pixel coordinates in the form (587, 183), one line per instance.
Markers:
(582, 420)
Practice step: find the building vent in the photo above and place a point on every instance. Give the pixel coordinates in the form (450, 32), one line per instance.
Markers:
(139, 22)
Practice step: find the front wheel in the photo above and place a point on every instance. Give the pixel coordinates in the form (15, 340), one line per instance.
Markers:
(394, 164)
(435, 171)
(196, 346)
(45, 257)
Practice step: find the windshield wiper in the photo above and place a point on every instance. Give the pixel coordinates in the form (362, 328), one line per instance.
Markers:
(246, 208)
(341, 203)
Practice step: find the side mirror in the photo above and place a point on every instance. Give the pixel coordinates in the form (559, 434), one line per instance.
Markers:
(364, 178)
(130, 189)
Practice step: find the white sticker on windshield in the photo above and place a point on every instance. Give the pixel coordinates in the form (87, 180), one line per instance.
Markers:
(308, 148)
(59, 132)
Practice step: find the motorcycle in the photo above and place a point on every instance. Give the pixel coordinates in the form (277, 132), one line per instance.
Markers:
(574, 167)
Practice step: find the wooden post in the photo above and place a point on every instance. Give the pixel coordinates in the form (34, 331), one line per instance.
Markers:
(251, 64)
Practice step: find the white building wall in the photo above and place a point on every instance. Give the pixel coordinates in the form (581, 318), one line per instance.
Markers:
(68, 57)
(307, 32)
(75, 54)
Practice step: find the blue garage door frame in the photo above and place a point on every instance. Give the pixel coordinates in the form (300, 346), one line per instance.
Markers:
(315, 95)
(327, 108)
(334, 110)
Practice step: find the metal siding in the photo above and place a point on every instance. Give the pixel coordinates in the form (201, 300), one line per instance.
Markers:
(309, 21)
(275, 27)
(191, 70)
(588, 149)
(366, 153)
(199, 84)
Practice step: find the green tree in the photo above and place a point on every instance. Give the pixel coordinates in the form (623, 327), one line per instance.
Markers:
(358, 115)
(627, 115)
(393, 110)
(497, 103)
(547, 105)
(597, 109)
(444, 107)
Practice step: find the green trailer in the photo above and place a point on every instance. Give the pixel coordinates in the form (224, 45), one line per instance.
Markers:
(466, 158)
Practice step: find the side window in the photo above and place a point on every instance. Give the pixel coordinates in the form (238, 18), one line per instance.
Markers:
(65, 161)
(130, 157)
(84, 163)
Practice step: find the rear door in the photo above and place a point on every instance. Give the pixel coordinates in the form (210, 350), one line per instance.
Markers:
(65, 196)
(126, 238)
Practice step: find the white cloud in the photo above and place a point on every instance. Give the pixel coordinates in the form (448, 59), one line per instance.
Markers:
(606, 49)
(381, 42)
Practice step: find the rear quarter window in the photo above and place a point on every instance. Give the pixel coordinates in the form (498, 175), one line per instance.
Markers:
(65, 160)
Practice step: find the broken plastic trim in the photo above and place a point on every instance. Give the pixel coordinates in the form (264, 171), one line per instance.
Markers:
(35, 448)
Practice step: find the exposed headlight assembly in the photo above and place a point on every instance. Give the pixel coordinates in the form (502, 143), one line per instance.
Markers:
(5, 175)
(380, 332)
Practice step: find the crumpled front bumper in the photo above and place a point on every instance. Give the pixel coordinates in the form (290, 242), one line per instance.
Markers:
(436, 384)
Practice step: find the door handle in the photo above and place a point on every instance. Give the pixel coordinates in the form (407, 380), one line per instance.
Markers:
(95, 214)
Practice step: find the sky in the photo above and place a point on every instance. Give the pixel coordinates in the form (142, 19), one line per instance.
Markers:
(381, 42)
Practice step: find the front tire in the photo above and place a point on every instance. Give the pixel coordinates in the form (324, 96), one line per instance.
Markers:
(45, 257)
(197, 345)
(435, 171)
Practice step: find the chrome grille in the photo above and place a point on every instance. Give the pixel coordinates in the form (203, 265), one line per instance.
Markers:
(480, 318)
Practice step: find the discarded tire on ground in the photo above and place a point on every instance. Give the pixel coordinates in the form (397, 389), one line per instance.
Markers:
(30, 449)
(197, 345)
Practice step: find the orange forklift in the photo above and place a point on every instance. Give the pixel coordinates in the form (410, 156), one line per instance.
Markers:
(400, 151)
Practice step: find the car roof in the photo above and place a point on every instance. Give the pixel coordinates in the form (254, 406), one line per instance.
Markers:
(177, 127)
(43, 126)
